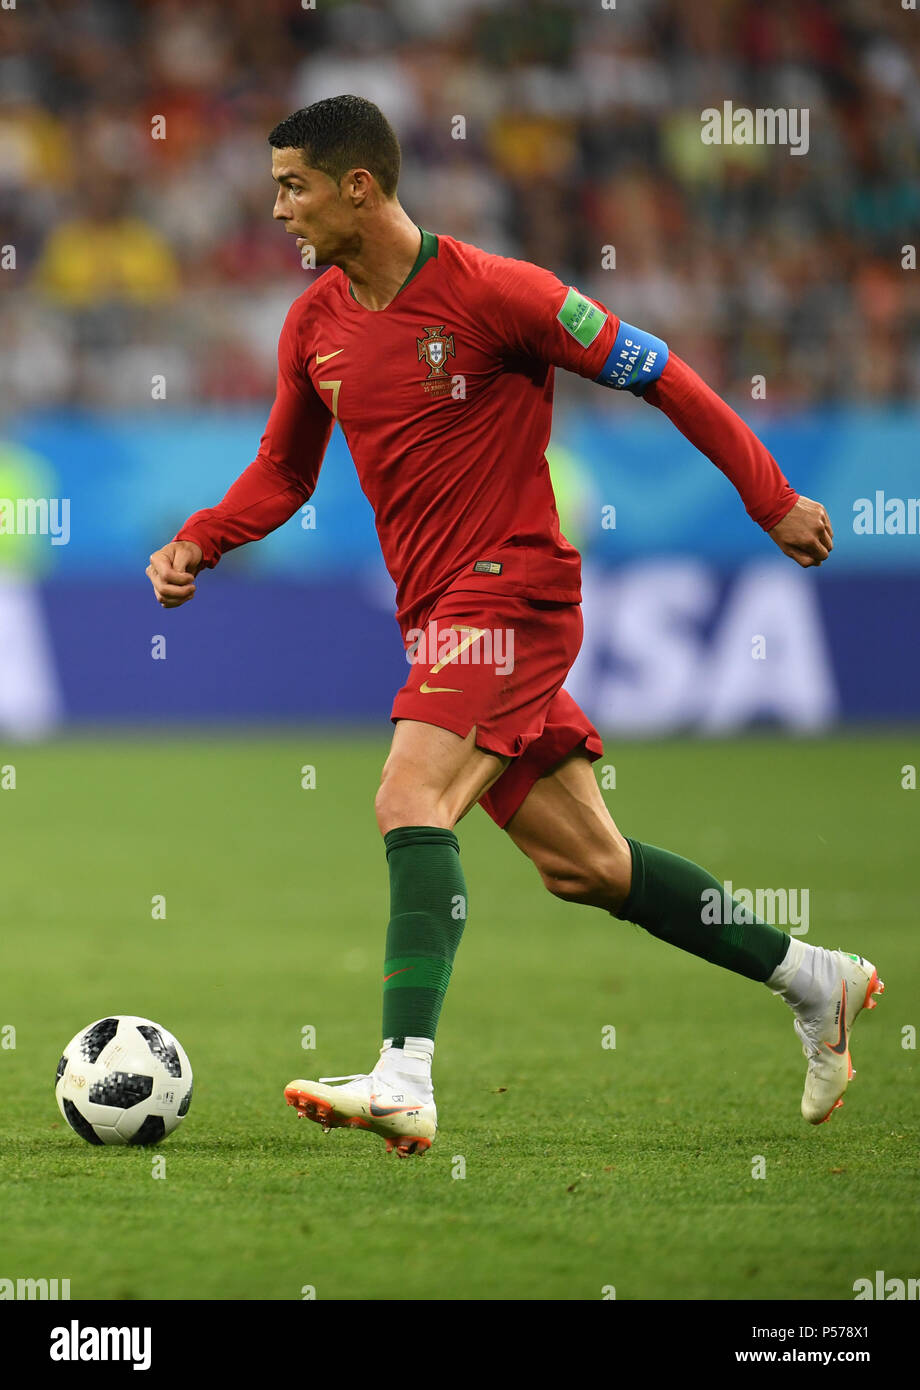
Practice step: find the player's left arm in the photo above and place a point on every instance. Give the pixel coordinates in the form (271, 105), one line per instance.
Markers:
(799, 526)
(559, 325)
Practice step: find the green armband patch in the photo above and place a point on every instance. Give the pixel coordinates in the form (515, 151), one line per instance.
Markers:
(581, 318)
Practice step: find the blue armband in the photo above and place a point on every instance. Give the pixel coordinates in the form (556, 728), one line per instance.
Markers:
(637, 358)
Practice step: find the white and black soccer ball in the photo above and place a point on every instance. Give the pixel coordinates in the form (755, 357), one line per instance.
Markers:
(124, 1080)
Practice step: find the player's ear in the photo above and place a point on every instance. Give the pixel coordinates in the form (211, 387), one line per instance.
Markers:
(358, 184)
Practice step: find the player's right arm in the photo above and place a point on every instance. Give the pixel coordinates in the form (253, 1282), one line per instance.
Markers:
(274, 486)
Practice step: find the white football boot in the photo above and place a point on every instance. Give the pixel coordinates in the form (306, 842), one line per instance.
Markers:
(828, 992)
(377, 1101)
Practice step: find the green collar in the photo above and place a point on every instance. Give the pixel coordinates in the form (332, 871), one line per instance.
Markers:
(428, 248)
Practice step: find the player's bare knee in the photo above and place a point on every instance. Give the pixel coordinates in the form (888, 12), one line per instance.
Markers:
(400, 802)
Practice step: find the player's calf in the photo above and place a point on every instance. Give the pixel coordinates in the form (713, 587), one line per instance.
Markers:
(566, 830)
(602, 881)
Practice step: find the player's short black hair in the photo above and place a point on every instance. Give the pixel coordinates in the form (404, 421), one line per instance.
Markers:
(343, 133)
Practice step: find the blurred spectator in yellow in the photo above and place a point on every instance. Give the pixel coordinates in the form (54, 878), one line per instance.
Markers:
(106, 254)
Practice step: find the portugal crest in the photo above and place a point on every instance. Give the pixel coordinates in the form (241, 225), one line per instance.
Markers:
(435, 350)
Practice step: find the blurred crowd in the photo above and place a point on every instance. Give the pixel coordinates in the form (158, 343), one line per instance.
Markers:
(138, 257)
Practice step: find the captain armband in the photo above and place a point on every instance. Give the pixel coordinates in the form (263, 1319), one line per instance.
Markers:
(636, 359)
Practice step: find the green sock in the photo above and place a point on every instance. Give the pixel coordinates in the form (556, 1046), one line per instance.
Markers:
(667, 899)
(427, 917)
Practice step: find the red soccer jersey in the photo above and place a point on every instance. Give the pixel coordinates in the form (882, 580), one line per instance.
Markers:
(445, 400)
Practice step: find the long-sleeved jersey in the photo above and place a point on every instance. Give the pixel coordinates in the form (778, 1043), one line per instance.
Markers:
(445, 400)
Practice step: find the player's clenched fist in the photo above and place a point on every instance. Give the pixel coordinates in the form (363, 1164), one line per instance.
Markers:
(805, 533)
(172, 572)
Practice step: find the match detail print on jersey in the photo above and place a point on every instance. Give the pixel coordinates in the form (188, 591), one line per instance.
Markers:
(636, 359)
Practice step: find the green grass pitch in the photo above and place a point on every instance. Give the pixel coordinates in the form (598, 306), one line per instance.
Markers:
(585, 1167)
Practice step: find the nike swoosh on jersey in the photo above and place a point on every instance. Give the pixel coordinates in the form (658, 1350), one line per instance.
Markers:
(324, 356)
(426, 689)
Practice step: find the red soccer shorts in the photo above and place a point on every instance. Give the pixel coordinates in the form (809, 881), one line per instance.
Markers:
(498, 662)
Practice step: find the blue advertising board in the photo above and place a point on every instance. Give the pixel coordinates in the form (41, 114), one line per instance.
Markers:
(693, 619)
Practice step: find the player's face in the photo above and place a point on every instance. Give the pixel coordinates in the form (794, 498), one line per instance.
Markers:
(310, 205)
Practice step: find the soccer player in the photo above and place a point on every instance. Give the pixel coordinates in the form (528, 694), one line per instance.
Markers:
(437, 360)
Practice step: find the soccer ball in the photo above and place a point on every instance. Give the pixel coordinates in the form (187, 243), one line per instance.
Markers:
(123, 1080)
